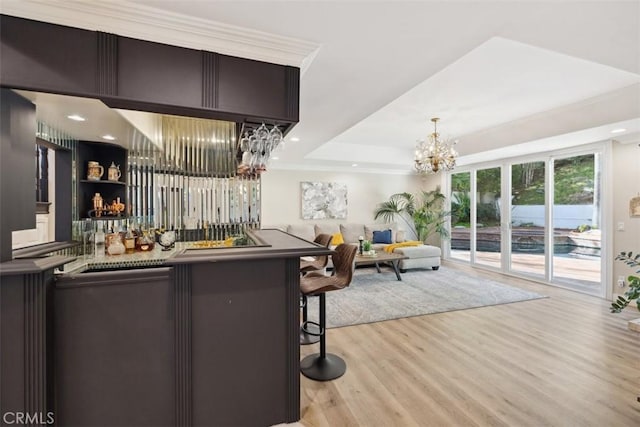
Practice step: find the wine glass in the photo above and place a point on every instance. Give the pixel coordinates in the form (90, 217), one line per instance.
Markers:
(275, 135)
(244, 142)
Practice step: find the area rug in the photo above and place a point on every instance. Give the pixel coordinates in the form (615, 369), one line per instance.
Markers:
(374, 297)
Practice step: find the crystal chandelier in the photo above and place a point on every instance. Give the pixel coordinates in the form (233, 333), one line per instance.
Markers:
(434, 155)
(257, 147)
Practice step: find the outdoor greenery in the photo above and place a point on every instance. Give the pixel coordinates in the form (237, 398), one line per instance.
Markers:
(461, 182)
(424, 213)
(460, 208)
(574, 185)
(574, 182)
(633, 293)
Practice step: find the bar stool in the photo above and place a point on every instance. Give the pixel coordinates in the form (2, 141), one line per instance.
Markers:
(309, 330)
(325, 366)
(318, 262)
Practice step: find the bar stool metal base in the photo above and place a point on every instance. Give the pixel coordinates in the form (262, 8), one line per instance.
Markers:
(321, 368)
(311, 337)
(309, 331)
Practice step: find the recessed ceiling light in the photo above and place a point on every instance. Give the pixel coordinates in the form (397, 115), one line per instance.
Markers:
(76, 117)
(275, 158)
(109, 137)
(294, 139)
(618, 130)
(354, 165)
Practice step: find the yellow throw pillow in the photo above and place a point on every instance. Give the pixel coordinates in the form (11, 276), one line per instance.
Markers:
(337, 239)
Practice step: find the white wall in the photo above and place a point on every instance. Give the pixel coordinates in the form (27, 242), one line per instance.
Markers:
(626, 184)
(33, 236)
(281, 193)
(564, 216)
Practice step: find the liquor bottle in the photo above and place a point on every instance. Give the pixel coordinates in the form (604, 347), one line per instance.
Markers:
(145, 243)
(130, 241)
(98, 241)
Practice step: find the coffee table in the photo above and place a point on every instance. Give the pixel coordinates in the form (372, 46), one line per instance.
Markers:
(382, 256)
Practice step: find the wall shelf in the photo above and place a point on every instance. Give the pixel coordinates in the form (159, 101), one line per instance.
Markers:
(105, 154)
(102, 181)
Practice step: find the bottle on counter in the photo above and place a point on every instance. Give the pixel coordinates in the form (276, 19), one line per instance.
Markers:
(116, 247)
(145, 243)
(115, 242)
(98, 242)
(129, 241)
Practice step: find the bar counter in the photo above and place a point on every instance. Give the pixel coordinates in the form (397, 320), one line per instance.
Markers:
(183, 337)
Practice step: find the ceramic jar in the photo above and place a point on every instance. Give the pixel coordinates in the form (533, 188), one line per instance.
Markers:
(94, 171)
(114, 172)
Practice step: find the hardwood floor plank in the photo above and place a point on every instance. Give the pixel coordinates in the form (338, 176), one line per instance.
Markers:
(559, 361)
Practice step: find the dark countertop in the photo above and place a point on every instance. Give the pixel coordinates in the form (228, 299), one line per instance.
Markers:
(270, 243)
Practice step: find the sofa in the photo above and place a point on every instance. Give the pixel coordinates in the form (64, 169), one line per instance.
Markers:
(422, 256)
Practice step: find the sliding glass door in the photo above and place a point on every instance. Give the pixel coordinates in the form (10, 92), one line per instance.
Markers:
(488, 225)
(576, 222)
(528, 219)
(549, 226)
(461, 216)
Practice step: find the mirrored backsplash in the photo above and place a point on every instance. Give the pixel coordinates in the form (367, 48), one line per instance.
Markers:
(183, 177)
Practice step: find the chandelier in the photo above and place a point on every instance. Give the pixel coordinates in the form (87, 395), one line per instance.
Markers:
(256, 148)
(434, 155)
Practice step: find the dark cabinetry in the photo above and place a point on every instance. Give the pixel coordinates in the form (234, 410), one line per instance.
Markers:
(142, 75)
(112, 190)
(17, 167)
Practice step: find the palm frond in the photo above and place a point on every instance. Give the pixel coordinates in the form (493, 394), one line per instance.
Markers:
(387, 210)
(424, 214)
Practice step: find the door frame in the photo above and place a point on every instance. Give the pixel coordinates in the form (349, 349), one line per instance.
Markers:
(604, 151)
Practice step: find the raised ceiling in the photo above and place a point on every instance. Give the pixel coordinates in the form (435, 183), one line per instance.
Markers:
(496, 73)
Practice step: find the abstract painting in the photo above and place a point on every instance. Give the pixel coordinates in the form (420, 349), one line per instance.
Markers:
(324, 200)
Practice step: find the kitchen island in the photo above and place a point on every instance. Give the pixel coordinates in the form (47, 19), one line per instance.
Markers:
(201, 337)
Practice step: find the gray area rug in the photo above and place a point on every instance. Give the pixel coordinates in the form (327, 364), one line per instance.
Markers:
(374, 297)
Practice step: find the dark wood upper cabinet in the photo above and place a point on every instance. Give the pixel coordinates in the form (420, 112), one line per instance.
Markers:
(252, 87)
(159, 73)
(47, 57)
(147, 76)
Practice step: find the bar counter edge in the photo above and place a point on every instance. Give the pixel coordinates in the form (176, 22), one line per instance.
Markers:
(211, 337)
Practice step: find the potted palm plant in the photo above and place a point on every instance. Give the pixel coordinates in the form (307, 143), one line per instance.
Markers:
(424, 213)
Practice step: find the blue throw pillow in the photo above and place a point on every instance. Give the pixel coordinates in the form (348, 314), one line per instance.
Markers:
(383, 236)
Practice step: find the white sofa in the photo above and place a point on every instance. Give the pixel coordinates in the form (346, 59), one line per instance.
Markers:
(423, 256)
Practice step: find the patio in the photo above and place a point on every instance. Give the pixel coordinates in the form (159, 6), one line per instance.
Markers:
(576, 260)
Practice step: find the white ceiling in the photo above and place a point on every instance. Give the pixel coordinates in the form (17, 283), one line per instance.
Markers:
(496, 73)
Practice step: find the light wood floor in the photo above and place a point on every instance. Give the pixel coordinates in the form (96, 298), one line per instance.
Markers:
(558, 361)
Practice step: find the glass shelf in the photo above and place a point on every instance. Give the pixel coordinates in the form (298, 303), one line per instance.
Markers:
(102, 181)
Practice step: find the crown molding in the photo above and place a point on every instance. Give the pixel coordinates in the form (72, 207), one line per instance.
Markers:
(146, 23)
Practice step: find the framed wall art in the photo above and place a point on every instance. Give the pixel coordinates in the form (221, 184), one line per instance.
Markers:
(634, 207)
(324, 200)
